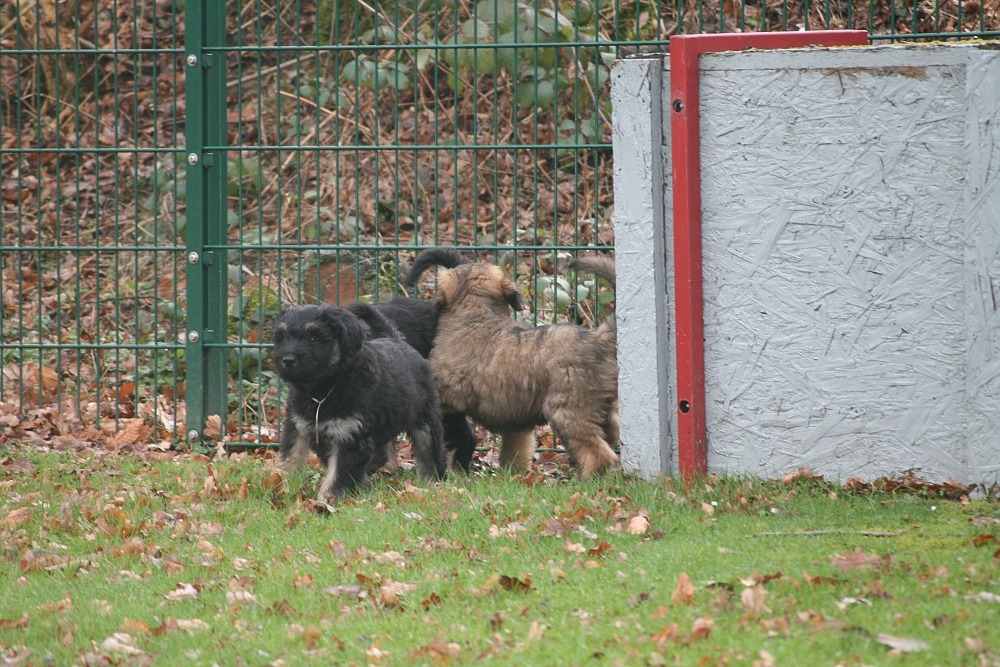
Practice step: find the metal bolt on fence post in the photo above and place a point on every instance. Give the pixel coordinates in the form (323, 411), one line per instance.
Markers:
(193, 258)
(192, 158)
(192, 435)
(193, 336)
(192, 60)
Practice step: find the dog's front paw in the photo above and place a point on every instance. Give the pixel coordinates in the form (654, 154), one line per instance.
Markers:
(294, 454)
(331, 497)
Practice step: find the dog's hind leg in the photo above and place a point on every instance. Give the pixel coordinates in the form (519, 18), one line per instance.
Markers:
(587, 448)
(517, 448)
(383, 456)
(428, 452)
(459, 439)
(612, 428)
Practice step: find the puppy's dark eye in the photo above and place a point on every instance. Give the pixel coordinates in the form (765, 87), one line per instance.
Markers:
(312, 339)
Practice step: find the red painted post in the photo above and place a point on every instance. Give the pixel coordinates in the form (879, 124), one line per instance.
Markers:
(692, 439)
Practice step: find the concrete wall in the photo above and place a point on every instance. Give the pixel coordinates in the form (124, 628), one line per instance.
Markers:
(851, 233)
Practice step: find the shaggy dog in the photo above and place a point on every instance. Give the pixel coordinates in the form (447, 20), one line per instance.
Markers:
(416, 320)
(511, 378)
(350, 397)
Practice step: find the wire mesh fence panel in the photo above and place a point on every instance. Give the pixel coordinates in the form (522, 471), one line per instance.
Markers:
(174, 174)
(384, 129)
(91, 104)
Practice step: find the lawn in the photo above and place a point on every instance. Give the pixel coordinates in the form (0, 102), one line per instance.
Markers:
(139, 559)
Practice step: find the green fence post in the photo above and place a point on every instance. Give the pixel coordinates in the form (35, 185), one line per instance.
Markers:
(207, 293)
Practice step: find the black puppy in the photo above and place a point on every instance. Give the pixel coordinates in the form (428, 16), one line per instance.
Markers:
(416, 320)
(350, 397)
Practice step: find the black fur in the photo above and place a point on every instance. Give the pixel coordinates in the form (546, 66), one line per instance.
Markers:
(412, 318)
(416, 321)
(351, 396)
(449, 258)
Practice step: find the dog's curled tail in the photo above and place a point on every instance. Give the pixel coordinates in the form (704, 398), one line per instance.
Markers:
(604, 267)
(449, 258)
(601, 265)
(379, 325)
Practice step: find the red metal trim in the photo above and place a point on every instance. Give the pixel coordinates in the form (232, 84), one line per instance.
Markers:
(692, 440)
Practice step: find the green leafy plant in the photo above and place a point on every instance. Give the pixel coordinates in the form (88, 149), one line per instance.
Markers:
(167, 186)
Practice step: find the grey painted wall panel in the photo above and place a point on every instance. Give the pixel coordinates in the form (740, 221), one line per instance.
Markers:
(643, 340)
(982, 255)
(851, 233)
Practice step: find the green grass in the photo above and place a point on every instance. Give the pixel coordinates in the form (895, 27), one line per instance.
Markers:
(490, 569)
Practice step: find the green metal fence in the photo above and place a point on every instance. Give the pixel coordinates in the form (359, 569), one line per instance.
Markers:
(174, 172)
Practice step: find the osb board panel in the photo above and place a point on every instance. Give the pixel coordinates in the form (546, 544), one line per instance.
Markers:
(840, 319)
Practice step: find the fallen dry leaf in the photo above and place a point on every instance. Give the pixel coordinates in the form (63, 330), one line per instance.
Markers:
(802, 474)
(974, 644)
(536, 630)
(983, 520)
(439, 650)
(985, 538)
(982, 596)
(14, 623)
(390, 591)
(346, 591)
(599, 549)
(273, 483)
(240, 597)
(809, 579)
(375, 654)
(684, 592)
(310, 634)
(752, 600)
(855, 560)
(904, 644)
(702, 628)
(668, 633)
(192, 625)
(638, 524)
(134, 626)
(844, 603)
(213, 427)
(122, 643)
(391, 557)
(183, 591)
(515, 584)
(766, 660)
(210, 488)
(16, 517)
(757, 578)
(134, 432)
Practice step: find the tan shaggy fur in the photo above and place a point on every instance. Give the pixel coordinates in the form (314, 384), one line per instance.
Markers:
(511, 379)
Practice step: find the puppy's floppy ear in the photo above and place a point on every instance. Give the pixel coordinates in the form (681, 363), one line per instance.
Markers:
(447, 290)
(347, 329)
(512, 295)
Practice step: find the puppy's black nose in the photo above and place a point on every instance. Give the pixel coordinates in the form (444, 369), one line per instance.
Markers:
(288, 361)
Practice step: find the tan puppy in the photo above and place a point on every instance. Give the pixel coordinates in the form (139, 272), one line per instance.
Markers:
(511, 379)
